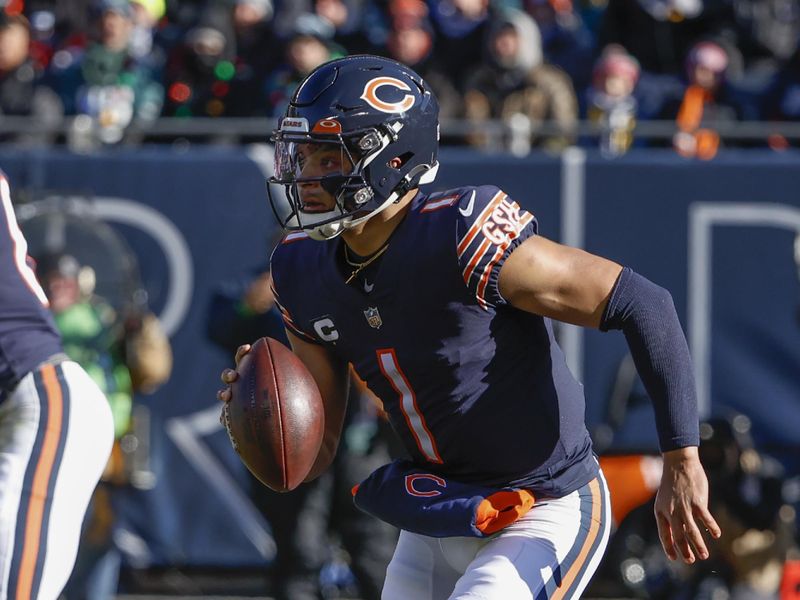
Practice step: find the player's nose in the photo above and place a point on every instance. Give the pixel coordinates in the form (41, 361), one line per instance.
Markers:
(310, 188)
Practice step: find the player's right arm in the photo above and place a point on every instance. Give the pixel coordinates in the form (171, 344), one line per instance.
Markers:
(332, 378)
(506, 262)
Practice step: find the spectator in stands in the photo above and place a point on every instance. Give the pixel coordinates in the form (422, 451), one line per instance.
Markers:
(257, 52)
(70, 20)
(123, 356)
(339, 21)
(305, 51)
(145, 17)
(410, 41)
(514, 83)
(566, 41)
(105, 81)
(461, 28)
(764, 32)
(706, 103)
(219, 68)
(21, 91)
(611, 101)
(146, 42)
(200, 69)
(658, 33)
(782, 100)
(302, 520)
(42, 37)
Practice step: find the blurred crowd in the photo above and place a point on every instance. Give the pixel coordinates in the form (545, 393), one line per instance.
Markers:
(698, 63)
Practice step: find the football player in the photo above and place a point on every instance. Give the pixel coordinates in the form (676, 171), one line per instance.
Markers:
(443, 304)
(56, 431)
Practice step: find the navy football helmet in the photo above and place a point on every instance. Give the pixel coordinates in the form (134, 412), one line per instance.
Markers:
(363, 111)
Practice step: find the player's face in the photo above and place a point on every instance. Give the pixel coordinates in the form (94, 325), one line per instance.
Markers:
(315, 161)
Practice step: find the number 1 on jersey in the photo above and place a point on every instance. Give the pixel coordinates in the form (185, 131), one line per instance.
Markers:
(387, 360)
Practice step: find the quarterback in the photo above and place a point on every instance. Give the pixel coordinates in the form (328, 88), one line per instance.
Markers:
(443, 302)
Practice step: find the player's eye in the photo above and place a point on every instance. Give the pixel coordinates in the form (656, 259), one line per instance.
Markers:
(330, 162)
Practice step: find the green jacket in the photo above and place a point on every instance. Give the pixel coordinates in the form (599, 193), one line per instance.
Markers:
(92, 338)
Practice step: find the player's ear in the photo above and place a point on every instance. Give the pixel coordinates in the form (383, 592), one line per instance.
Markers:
(396, 162)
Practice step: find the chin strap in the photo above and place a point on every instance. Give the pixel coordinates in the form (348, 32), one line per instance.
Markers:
(409, 181)
(426, 174)
(325, 232)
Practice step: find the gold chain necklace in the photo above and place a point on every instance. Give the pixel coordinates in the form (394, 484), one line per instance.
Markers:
(362, 265)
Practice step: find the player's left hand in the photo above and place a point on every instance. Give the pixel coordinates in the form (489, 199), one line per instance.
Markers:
(682, 506)
(228, 376)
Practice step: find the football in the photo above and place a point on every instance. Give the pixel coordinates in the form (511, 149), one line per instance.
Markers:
(275, 418)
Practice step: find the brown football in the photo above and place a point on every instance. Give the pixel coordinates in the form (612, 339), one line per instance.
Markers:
(275, 418)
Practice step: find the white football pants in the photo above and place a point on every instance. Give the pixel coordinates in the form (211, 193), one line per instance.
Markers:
(56, 433)
(549, 554)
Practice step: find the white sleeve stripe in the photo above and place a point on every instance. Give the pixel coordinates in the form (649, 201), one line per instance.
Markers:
(20, 245)
(482, 249)
(524, 220)
(432, 205)
(499, 252)
(293, 237)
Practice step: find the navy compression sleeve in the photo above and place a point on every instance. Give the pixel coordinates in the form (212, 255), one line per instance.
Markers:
(646, 315)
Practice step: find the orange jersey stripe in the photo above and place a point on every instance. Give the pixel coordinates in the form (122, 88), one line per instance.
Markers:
(501, 250)
(41, 478)
(476, 258)
(476, 226)
(527, 218)
(594, 528)
(498, 254)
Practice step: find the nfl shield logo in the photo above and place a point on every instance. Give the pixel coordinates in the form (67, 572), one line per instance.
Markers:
(373, 317)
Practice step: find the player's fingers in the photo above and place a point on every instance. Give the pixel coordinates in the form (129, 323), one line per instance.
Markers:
(241, 351)
(229, 376)
(224, 395)
(695, 538)
(665, 535)
(678, 526)
(703, 515)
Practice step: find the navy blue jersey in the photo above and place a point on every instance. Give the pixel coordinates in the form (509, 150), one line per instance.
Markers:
(28, 335)
(478, 391)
